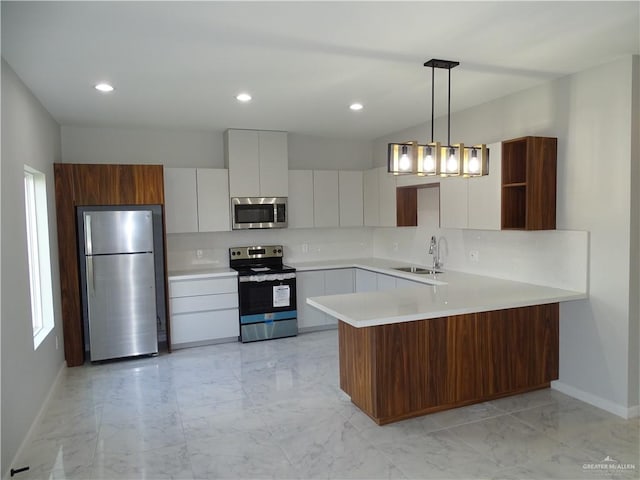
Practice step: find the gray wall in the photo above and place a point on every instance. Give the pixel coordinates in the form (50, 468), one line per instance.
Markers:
(200, 149)
(29, 136)
(590, 113)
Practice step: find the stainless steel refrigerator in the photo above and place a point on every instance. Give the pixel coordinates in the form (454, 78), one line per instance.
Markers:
(119, 283)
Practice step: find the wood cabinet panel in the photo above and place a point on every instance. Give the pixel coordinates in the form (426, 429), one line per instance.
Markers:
(464, 378)
(357, 366)
(408, 369)
(97, 184)
(407, 207)
(529, 177)
(535, 360)
(68, 261)
(94, 184)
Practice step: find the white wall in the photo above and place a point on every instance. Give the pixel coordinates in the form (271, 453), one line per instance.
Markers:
(29, 136)
(590, 113)
(175, 148)
(171, 148)
(308, 152)
(634, 283)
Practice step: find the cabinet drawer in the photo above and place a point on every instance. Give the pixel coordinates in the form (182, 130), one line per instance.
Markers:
(204, 302)
(203, 326)
(207, 286)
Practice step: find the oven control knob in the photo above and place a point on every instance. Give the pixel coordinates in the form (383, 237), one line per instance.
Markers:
(279, 250)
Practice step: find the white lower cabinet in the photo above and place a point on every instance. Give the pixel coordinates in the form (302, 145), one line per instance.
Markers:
(317, 283)
(385, 282)
(367, 281)
(309, 284)
(403, 282)
(203, 310)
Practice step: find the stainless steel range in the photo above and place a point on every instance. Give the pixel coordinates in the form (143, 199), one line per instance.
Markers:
(266, 291)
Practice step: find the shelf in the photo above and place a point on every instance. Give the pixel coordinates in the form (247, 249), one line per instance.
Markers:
(514, 207)
(514, 161)
(529, 183)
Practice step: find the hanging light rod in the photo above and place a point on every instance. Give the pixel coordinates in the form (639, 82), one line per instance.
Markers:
(433, 158)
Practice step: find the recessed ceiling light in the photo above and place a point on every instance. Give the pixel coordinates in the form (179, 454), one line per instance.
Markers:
(356, 106)
(104, 87)
(243, 97)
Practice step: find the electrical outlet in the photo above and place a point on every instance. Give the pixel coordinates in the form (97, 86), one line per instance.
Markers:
(199, 253)
(395, 246)
(305, 248)
(474, 256)
(57, 346)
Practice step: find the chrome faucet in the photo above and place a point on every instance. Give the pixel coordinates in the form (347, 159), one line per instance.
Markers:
(435, 251)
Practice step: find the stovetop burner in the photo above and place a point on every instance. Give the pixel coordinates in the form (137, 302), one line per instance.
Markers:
(258, 260)
(263, 270)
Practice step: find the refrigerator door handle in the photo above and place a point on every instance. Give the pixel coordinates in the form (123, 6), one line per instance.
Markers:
(87, 234)
(90, 276)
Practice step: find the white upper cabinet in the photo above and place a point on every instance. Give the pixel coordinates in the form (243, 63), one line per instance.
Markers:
(326, 205)
(485, 199)
(370, 194)
(196, 200)
(350, 186)
(300, 203)
(213, 200)
(380, 201)
(274, 164)
(258, 162)
(387, 198)
(180, 200)
(473, 203)
(454, 202)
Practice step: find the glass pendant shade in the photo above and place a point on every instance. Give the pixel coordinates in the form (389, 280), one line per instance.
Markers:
(451, 160)
(428, 159)
(476, 161)
(403, 158)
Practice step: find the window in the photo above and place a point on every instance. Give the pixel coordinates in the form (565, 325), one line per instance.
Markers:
(37, 222)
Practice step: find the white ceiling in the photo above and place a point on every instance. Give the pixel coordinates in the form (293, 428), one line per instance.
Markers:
(180, 64)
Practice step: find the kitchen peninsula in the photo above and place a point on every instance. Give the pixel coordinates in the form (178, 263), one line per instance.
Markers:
(456, 340)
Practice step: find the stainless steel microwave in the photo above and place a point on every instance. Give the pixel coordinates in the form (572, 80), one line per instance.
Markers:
(258, 212)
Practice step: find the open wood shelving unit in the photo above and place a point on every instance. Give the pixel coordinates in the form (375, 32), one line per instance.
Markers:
(529, 175)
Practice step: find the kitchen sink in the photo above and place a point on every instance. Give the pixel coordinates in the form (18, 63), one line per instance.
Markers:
(419, 270)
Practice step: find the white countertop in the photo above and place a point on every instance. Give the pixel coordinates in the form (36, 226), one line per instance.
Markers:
(379, 265)
(194, 274)
(446, 294)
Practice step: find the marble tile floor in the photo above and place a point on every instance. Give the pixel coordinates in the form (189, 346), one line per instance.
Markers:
(274, 410)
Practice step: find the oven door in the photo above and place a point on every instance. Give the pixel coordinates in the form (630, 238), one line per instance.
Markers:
(267, 298)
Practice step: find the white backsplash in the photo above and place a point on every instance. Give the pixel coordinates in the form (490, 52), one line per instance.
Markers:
(300, 245)
(557, 258)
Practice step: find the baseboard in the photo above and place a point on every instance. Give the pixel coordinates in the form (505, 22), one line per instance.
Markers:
(36, 421)
(609, 406)
(318, 328)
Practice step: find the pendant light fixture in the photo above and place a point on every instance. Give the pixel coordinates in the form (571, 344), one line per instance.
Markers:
(433, 158)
